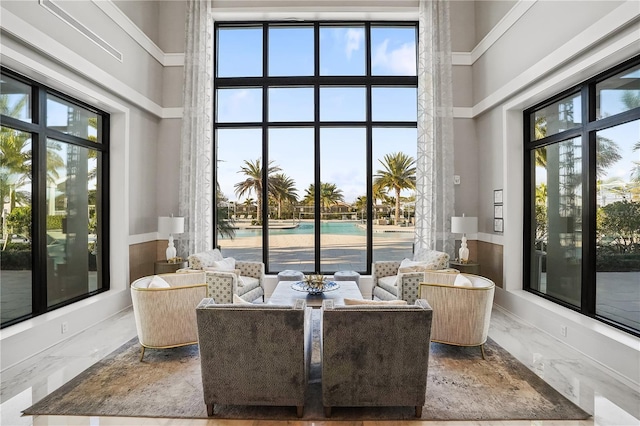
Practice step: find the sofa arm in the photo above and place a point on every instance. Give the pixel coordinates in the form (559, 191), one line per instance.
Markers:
(251, 269)
(221, 286)
(409, 286)
(384, 269)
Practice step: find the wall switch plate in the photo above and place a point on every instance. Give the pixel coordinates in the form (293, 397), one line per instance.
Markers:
(64, 327)
(456, 180)
(563, 330)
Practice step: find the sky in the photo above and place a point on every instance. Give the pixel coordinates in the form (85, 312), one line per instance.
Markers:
(342, 150)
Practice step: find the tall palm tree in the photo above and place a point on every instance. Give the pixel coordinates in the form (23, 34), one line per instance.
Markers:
(284, 191)
(330, 195)
(253, 182)
(398, 173)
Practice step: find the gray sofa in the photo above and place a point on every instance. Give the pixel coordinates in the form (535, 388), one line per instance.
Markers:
(254, 354)
(375, 355)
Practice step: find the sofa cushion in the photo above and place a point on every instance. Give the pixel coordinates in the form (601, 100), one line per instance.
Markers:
(249, 283)
(237, 300)
(374, 302)
(389, 284)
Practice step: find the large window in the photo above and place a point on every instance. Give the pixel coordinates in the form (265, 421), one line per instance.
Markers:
(315, 142)
(53, 163)
(583, 207)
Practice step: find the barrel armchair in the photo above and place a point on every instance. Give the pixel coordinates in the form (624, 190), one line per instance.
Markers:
(401, 279)
(462, 305)
(164, 308)
(246, 279)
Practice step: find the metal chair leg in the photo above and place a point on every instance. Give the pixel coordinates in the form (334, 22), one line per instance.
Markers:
(142, 352)
(482, 350)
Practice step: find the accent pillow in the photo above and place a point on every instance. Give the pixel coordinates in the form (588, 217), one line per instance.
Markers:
(228, 264)
(143, 282)
(158, 282)
(408, 265)
(461, 280)
(374, 302)
(237, 300)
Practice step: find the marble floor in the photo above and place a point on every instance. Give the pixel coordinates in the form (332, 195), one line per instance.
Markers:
(574, 375)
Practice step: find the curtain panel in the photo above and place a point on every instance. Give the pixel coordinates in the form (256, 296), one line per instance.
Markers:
(434, 163)
(196, 142)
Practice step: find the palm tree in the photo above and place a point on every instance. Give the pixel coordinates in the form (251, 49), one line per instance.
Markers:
(284, 190)
(399, 173)
(360, 205)
(253, 182)
(330, 195)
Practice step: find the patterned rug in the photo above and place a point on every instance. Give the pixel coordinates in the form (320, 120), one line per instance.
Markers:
(461, 386)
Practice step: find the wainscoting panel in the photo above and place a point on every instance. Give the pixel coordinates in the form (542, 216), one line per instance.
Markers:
(490, 257)
(141, 259)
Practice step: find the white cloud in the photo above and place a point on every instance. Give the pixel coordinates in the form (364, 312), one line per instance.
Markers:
(400, 61)
(354, 38)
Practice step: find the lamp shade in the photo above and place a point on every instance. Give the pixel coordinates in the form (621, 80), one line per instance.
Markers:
(464, 225)
(170, 225)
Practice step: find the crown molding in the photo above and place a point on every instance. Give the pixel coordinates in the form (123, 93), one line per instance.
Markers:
(620, 17)
(500, 29)
(129, 27)
(47, 46)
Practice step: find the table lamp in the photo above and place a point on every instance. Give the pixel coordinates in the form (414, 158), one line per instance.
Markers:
(464, 225)
(169, 225)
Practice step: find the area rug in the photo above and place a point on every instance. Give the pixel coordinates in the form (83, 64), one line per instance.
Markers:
(461, 386)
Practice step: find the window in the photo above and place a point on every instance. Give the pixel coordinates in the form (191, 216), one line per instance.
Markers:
(303, 143)
(53, 176)
(582, 171)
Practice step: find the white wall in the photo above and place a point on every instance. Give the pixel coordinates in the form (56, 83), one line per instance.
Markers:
(528, 63)
(45, 48)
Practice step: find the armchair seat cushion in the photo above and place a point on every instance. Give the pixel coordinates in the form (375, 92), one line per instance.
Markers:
(249, 284)
(389, 284)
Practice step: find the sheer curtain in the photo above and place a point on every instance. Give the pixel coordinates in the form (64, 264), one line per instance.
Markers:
(434, 163)
(196, 145)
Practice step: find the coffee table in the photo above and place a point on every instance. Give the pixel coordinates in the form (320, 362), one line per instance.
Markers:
(285, 295)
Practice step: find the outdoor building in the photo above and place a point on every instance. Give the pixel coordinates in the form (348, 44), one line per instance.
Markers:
(316, 157)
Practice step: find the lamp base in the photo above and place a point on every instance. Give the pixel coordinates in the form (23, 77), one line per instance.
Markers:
(171, 250)
(463, 253)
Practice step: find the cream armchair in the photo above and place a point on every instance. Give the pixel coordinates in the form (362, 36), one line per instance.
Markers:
(164, 307)
(247, 281)
(462, 305)
(392, 281)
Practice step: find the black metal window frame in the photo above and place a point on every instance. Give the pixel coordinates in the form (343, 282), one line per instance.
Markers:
(39, 132)
(587, 130)
(316, 81)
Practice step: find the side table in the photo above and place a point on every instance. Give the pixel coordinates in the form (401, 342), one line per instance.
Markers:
(466, 268)
(164, 267)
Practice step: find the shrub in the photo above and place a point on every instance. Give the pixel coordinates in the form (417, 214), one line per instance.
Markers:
(15, 260)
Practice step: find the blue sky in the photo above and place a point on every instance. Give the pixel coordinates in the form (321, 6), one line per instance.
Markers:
(342, 149)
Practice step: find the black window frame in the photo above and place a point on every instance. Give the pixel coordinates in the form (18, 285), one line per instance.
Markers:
(316, 81)
(587, 132)
(40, 133)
